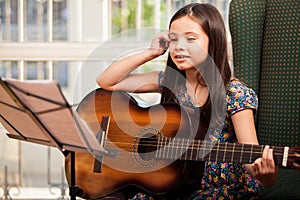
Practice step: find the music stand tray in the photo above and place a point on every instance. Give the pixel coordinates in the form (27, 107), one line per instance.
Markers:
(37, 111)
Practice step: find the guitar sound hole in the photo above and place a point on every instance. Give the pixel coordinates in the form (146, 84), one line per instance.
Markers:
(147, 147)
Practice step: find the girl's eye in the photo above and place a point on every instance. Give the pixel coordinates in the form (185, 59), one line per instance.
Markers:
(173, 39)
(190, 39)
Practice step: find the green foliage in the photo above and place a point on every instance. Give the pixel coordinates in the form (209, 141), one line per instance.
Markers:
(148, 13)
(127, 15)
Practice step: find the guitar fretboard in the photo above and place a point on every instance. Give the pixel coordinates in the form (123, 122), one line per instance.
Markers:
(203, 150)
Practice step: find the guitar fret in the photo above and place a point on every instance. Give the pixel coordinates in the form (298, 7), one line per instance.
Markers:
(260, 150)
(246, 150)
(250, 158)
(192, 150)
(181, 148)
(211, 148)
(241, 156)
(158, 147)
(233, 151)
(176, 152)
(278, 153)
(230, 152)
(183, 151)
(167, 147)
(161, 148)
(202, 147)
(206, 150)
(256, 152)
(217, 151)
(198, 149)
(224, 153)
(175, 148)
(196, 152)
(203, 150)
(186, 149)
(171, 143)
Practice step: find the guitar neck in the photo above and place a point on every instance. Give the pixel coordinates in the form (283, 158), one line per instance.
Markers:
(203, 150)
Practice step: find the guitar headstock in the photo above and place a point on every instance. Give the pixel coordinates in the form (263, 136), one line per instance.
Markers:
(294, 158)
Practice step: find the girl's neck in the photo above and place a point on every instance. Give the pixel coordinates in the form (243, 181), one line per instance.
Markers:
(197, 91)
(192, 76)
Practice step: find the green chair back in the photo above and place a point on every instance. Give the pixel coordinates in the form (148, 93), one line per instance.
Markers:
(266, 40)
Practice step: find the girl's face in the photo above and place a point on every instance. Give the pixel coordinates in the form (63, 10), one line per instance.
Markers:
(188, 43)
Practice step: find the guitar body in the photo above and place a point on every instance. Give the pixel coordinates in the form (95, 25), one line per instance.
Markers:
(135, 164)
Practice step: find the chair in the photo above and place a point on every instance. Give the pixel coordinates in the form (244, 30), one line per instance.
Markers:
(265, 40)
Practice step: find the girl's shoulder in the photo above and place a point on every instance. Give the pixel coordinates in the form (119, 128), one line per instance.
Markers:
(240, 96)
(237, 86)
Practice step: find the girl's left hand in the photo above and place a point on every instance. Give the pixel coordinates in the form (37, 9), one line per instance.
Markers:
(264, 169)
(159, 44)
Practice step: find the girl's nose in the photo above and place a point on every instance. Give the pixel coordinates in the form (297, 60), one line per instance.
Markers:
(180, 45)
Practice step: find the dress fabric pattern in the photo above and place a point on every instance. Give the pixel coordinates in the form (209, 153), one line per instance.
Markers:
(223, 180)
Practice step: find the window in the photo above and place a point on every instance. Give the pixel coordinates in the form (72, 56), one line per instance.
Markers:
(53, 39)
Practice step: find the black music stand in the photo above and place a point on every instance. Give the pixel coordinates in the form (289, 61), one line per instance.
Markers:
(36, 111)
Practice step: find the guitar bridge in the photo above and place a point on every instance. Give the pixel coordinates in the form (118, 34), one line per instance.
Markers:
(101, 136)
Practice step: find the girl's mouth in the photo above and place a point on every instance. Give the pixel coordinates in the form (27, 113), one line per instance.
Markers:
(180, 58)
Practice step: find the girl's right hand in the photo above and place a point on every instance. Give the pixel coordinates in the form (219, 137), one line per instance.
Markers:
(159, 44)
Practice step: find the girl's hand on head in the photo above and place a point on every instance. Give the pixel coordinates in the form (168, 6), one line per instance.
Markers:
(264, 169)
(159, 44)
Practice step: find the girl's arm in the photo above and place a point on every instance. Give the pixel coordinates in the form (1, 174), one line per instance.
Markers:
(263, 169)
(118, 75)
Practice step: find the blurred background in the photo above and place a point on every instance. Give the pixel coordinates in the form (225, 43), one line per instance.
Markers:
(71, 42)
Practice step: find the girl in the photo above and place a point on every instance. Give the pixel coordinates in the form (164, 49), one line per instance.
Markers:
(197, 38)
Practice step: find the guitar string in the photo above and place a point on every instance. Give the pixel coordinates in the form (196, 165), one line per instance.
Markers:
(244, 156)
(153, 142)
(204, 148)
(182, 156)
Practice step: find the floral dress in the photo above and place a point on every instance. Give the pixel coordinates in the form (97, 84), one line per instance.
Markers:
(223, 180)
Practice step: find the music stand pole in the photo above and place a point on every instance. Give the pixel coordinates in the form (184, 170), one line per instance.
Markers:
(74, 190)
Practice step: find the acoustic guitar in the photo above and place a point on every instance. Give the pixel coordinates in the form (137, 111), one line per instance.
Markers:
(156, 148)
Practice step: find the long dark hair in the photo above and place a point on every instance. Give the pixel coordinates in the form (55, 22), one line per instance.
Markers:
(212, 24)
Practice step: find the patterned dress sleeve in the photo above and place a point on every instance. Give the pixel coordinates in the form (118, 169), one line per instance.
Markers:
(241, 97)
